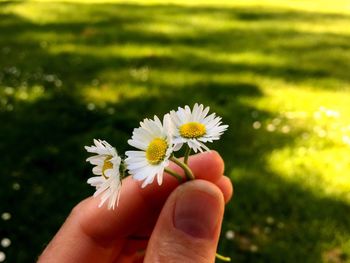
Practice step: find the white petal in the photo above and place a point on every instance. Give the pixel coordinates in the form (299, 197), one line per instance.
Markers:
(137, 144)
(204, 114)
(97, 170)
(177, 146)
(135, 154)
(182, 116)
(204, 146)
(160, 176)
(137, 165)
(96, 180)
(175, 118)
(104, 197)
(141, 175)
(148, 181)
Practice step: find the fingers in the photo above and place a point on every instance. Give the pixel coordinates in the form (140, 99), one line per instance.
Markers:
(226, 187)
(208, 166)
(189, 225)
(139, 207)
(203, 168)
(71, 245)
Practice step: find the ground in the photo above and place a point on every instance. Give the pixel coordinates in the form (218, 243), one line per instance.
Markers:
(276, 71)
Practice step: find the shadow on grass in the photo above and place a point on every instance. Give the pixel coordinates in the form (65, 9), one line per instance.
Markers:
(43, 138)
(279, 221)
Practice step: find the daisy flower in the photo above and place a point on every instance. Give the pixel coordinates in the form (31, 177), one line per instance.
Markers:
(196, 128)
(154, 141)
(107, 163)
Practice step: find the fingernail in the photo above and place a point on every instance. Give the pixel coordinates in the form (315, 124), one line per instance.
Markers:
(197, 213)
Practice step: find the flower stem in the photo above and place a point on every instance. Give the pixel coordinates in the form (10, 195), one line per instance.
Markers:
(187, 169)
(187, 154)
(173, 173)
(122, 169)
(223, 258)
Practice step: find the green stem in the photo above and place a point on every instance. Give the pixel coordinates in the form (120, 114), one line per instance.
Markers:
(122, 170)
(223, 258)
(187, 169)
(187, 154)
(173, 173)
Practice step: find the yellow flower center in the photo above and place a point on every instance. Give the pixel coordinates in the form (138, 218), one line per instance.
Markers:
(192, 130)
(107, 164)
(156, 151)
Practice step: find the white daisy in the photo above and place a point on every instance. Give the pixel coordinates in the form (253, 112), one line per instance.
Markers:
(154, 140)
(195, 128)
(108, 181)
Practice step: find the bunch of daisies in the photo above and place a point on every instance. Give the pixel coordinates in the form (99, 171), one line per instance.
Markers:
(155, 141)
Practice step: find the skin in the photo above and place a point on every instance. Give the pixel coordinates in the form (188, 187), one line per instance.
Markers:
(150, 225)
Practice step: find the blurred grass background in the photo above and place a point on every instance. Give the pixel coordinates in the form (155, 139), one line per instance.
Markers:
(278, 72)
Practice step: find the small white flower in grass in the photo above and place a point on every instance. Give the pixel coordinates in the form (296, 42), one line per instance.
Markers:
(154, 140)
(196, 128)
(107, 169)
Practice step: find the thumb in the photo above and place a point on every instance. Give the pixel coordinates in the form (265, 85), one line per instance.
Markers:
(188, 226)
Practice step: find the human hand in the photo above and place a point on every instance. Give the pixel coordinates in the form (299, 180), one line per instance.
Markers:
(167, 223)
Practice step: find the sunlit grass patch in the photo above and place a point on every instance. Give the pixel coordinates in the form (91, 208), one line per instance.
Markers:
(102, 94)
(308, 5)
(319, 157)
(127, 51)
(10, 96)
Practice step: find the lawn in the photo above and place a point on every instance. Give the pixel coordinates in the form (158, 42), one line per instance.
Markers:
(278, 72)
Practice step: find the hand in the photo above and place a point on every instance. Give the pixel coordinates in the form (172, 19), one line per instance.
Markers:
(167, 223)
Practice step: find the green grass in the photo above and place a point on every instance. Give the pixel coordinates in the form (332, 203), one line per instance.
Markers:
(276, 71)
